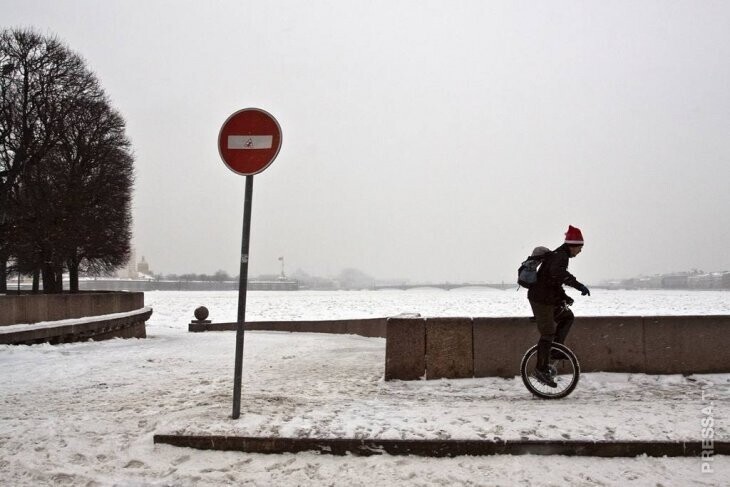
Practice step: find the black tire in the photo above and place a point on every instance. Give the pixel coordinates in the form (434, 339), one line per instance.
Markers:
(567, 371)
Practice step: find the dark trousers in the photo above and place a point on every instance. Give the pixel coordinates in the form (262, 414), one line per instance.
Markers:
(553, 323)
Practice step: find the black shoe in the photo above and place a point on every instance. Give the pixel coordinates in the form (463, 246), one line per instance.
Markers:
(544, 378)
(553, 371)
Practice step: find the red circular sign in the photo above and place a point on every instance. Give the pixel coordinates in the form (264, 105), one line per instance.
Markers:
(249, 141)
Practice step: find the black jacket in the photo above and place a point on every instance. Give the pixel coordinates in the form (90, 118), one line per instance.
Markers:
(551, 276)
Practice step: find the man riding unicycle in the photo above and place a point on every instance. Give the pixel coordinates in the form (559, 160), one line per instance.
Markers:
(549, 301)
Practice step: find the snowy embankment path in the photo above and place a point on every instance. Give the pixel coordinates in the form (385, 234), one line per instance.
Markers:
(86, 413)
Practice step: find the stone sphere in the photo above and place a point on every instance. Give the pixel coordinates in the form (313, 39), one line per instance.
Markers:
(201, 313)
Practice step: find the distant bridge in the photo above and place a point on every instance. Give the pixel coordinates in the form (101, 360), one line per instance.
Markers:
(446, 286)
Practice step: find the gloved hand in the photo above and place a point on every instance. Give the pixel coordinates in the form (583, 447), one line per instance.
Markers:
(584, 290)
(569, 300)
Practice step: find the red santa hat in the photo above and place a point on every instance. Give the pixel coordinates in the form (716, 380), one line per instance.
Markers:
(573, 236)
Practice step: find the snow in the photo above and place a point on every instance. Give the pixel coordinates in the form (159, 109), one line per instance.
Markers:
(85, 413)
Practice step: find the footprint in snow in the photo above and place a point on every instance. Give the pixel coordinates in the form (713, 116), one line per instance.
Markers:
(135, 464)
(181, 459)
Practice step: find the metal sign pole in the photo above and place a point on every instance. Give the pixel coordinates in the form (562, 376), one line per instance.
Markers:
(242, 286)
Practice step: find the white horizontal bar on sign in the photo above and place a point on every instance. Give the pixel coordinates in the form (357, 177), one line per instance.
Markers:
(250, 141)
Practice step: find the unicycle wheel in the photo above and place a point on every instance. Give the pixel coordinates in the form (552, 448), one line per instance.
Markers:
(564, 370)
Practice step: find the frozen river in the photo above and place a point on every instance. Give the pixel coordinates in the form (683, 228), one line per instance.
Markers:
(177, 307)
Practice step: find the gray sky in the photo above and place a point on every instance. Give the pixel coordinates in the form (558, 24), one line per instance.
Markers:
(432, 140)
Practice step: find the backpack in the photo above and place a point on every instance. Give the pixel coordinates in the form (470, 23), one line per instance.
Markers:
(527, 272)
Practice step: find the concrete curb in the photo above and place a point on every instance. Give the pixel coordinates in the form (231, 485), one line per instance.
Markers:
(445, 448)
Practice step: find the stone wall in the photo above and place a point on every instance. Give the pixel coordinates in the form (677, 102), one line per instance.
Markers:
(120, 315)
(33, 308)
(104, 328)
(370, 327)
(435, 348)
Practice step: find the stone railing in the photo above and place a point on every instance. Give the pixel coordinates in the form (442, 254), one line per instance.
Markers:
(59, 318)
(369, 327)
(434, 348)
(32, 308)
(104, 327)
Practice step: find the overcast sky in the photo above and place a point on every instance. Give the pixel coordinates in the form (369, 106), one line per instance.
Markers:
(429, 140)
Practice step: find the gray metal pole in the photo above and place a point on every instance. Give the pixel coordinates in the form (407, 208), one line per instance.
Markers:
(242, 286)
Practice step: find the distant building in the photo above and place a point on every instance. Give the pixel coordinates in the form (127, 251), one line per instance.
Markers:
(130, 270)
(143, 267)
(705, 281)
(135, 269)
(676, 281)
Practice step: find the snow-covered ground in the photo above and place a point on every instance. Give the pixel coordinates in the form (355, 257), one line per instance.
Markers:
(85, 413)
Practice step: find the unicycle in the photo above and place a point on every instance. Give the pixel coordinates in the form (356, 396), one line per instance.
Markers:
(564, 370)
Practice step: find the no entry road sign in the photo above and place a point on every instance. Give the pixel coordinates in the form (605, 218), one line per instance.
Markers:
(249, 141)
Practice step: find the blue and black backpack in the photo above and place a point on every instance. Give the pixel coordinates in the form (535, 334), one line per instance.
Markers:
(527, 273)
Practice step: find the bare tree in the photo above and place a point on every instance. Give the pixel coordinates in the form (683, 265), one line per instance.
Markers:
(38, 224)
(66, 167)
(93, 167)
